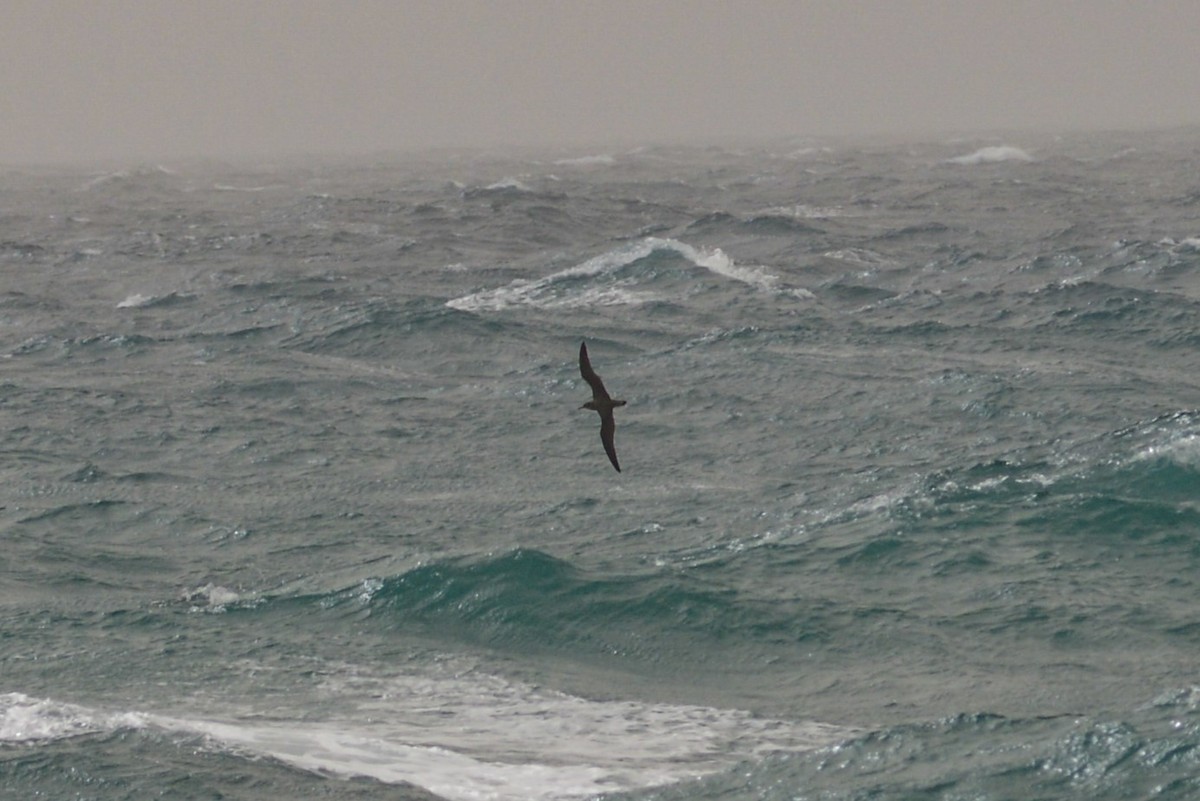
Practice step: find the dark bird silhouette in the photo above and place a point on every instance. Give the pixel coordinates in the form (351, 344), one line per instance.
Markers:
(602, 403)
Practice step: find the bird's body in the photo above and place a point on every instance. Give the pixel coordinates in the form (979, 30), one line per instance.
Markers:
(602, 403)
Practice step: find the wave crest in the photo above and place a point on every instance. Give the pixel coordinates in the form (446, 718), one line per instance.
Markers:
(616, 279)
(32, 720)
(992, 155)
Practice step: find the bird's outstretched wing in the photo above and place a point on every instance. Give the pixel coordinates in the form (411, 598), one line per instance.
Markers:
(608, 427)
(589, 375)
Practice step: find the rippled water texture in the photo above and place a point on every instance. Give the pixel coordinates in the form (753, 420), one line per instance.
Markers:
(297, 499)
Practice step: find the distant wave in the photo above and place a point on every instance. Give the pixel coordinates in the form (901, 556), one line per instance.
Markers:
(562, 289)
(768, 222)
(139, 301)
(140, 174)
(988, 155)
(602, 160)
(232, 188)
(801, 211)
(509, 184)
(809, 152)
(858, 257)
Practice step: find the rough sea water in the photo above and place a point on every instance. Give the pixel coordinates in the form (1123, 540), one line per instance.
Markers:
(297, 499)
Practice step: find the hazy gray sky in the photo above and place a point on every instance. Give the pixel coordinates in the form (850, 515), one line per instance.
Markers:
(82, 80)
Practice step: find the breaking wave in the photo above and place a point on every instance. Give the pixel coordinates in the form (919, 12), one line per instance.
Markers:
(618, 283)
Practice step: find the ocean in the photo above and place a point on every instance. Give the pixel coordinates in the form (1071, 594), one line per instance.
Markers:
(298, 500)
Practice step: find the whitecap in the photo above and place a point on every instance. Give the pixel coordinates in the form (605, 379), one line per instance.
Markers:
(602, 160)
(801, 211)
(508, 185)
(125, 175)
(555, 290)
(1183, 451)
(210, 598)
(859, 257)
(758, 277)
(809, 152)
(24, 719)
(990, 155)
(139, 301)
(136, 301)
(100, 180)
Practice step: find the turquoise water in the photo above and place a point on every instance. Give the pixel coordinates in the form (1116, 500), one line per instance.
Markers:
(298, 500)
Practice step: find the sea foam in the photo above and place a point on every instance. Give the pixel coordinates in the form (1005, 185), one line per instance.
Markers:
(24, 719)
(463, 737)
(989, 155)
(475, 735)
(559, 290)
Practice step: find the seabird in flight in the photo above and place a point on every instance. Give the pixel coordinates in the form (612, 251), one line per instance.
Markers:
(602, 403)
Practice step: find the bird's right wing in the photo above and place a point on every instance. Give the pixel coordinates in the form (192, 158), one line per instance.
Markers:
(589, 375)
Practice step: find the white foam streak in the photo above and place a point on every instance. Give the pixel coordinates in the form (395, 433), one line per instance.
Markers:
(464, 737)
(447, 773)
(491, 740)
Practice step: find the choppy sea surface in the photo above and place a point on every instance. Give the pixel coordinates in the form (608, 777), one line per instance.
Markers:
(297, 500)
